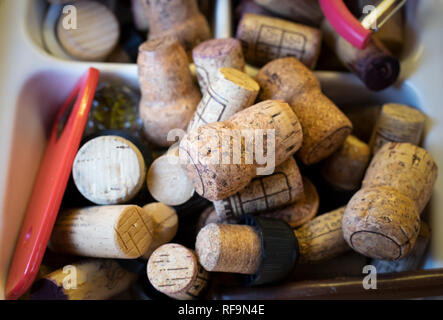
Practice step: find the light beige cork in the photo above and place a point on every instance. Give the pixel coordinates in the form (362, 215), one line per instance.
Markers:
(381, 223)
(91, 279)
(325, 127)
(167, 181)
(344, 170)
(120, 231)
(405, 167)
(165, 224)
(177, 18)
(397, 123)
(109, 170)
(170, 97)
(230, 91)
(266, 38)
(211, 55)
(220, 166)
(94, 34)
(174, 270)
(301, 211)
(303, 11)
(229, 248)
(322, 238)
(283, 187)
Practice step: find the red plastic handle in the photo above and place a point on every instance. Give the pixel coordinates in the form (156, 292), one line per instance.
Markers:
(50, 186)
(342, 20)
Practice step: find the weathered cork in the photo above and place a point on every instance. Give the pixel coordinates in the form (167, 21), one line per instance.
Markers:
(230, 91)
(381, 223)
(405, 167)
(325, 127)
(322, 238)
(121, 231)
(303, 11)
(215, 160)
(170, 97)
(165, 223)
(345, 169)
(174, 270)
(266, 38)
(178, 18)
(301, 211)
(91, 279)
(109, 170)
(211, 55)
(374, 65)
(229, 248)
(397, 123)
(167, 181)
(264, 193)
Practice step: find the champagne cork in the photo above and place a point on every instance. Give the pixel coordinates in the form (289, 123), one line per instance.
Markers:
(410, 262)
(92, 279)
(405, 167)
(167, 181)
(180, 19)
(203, 152)
(345, 169)
(174, 270)
(211, 55)
(165, 225)
(230, 91)
(265, 39)
(170, 97)
(325, 127)
(303, 11)
(397, 123)
(374, 65)
(120, 231)
(301, 211)
(93, 36)
(109, 170)
(265, 193)
(246, 249)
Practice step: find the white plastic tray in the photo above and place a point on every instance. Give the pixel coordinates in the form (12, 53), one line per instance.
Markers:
(33, 84)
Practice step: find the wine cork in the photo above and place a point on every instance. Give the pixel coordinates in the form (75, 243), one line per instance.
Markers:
(165, 175)
(120, 231)
(174, 270)
(410, 262)
(165, 225)
(180, 19)
(322, 238)
(301, 211)
(140, 18)
(303, 11)
(170, 97)
(211, 55)
(93, 35)
(325, 127)
(265, 39)
(203, 153)
(283, 187)
(230, 91)
(92, 279)
(345, 169)
(109, 170)
(397, 123)
(374, 65)
(409, 169)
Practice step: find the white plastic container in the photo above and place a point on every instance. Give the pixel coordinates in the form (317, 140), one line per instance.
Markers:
(34, 83)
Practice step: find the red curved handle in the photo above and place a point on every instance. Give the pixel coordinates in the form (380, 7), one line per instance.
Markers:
(345, 23)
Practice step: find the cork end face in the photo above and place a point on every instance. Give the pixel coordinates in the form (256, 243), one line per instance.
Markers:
(134, 232)
(208, 246)
(381, 223)
(158, 45)
(402, 113)
(381, 72)
(240, 78)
